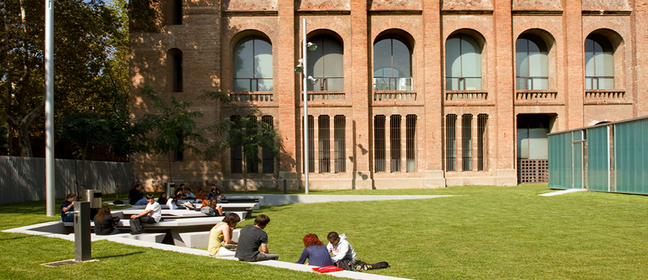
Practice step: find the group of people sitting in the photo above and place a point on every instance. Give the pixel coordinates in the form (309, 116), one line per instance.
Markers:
(104, 221)
(252, 246)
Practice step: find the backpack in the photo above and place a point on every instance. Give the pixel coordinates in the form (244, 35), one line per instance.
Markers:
(208, 211)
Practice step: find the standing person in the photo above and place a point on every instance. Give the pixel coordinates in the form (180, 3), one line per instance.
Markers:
(343, 254)
(104, 222)
(136, 195)
(151, 215)
(315, 251)
(221, 234)
(66, 206)
(251, 238)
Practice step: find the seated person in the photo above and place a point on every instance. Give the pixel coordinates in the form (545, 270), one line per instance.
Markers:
(151, 215)
(179, 192)
(315, 252)
(221, 234)
(211, 208)
(172, 203)
(251, 238)
(162, 199)
(136, 195)
(201, 195)
(68, 206)
(105, 223)
(215, 192)
(188, 194)
(343, 254)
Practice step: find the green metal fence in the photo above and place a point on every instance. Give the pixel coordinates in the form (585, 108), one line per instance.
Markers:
(632, 156)
(611, 157)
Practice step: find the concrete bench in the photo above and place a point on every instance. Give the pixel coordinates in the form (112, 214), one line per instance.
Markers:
(171, 214)
(172, 230)
(200, 239)
(247, 207)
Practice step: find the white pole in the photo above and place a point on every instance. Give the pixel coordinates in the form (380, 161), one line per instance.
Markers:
(49, 108)
(305, 75)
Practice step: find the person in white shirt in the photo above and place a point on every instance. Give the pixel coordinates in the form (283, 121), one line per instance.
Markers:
(152, 214)
(341, 251)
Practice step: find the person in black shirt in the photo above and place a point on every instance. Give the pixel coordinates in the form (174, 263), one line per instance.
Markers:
(251, 238)
(136, 194)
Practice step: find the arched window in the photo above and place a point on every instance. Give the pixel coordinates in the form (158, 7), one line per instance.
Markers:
(326, 64)
(174, 56)
(599, 63)
(392, 64)
(531, 63)
(463, 63)
(176, 12)
(253, 64)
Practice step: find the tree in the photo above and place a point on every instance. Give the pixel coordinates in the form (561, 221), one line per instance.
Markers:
(84, 31)
(175, 128)
(245, 131)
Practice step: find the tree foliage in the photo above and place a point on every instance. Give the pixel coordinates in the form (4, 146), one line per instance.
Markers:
(113, 129)
(175, 126)
(85, 65)
(245, 131)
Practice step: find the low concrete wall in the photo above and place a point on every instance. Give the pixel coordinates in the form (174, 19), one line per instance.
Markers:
(23, 179)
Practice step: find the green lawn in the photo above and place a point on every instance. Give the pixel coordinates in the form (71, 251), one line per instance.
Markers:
(486, 233)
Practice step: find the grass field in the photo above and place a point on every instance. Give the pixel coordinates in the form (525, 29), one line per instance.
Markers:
(485, 233)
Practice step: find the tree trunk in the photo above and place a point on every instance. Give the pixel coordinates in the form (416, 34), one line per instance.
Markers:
(23, 139)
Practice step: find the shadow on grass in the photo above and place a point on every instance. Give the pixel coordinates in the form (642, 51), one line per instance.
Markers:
(15, 238)
(119, 256)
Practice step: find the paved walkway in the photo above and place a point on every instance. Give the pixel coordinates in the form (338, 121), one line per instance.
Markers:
(56, 229)
(562, 192)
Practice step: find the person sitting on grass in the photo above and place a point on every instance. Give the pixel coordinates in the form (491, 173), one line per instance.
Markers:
(251, 238)
(221, 235)
(315, 251)
(68, 206)
(151, 215)
(342, 252)
(105, 223)
(345, 257)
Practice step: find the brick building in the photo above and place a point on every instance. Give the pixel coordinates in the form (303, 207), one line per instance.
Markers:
(409, 93)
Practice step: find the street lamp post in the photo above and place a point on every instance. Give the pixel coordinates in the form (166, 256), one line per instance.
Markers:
(49, 108)
(302, 68)
(305, 75)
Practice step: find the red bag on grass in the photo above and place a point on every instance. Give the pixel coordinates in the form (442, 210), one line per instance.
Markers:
(325, 269)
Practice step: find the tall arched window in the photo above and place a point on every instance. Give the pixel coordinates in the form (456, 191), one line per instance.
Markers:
(532, 63)
(392, 64)
(174, 57)
(326, 64)
(599, 63)
(176, 12)
(253, 64)
(463, 63)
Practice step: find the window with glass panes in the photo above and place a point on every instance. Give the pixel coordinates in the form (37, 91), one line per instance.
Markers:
(599, 63)
(392, 64)
(531, 63)
(463, 63)
(253, 64)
